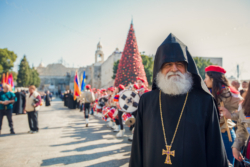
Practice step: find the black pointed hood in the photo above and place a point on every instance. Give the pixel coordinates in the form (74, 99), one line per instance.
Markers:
(173, 50)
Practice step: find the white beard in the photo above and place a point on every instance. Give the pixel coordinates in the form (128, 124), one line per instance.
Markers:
(174, 85)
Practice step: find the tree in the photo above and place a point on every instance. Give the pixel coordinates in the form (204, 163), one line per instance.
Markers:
(201, 65)
(115, 67)
(23, 77)
(130, 66)
(148, 63)
(34, 77)
(7, 59)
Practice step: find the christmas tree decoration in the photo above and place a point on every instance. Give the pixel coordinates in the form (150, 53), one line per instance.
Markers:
(130, 66)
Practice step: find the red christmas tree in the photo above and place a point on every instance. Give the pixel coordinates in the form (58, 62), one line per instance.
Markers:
(130, 66)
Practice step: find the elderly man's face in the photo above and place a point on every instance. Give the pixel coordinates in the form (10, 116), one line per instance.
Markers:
(31, 89)
(173, 67)
(6, 88)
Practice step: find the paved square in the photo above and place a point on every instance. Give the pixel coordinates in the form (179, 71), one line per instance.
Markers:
(63, 140)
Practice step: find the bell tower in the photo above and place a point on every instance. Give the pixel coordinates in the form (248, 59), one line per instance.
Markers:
(99, 56)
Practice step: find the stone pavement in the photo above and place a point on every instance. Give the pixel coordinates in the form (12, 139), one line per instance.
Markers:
(63, 140)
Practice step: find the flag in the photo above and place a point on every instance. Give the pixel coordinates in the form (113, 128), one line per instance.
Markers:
(11, 82)
(83, 81)
(76, 87)
(3, 79)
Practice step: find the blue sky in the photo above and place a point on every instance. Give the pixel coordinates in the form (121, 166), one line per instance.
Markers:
(53, 29)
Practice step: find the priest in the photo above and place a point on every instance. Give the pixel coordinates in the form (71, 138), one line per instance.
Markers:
(47, 99)
(177, 122)
(18, 106)
(65, 98)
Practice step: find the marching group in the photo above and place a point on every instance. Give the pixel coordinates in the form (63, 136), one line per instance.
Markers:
(104, 103)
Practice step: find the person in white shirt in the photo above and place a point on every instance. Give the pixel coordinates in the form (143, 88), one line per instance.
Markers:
(88, 97)
(32, 105)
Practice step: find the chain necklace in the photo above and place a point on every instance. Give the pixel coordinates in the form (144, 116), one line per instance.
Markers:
(168, 151)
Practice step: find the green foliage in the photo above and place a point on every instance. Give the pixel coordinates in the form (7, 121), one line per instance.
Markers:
(26, 75)
(148, 63)
(115, 67)
(7, 59)
(14, 74)
(23, 76)
(34, 77)
(201, 65)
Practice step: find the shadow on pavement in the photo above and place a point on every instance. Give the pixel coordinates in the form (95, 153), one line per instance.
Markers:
(22, 133)
(96, 150)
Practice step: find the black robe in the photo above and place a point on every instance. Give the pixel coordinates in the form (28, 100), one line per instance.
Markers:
(71, 102)
(20, 103)
(198, 141)
(65, 99)
(47, 100)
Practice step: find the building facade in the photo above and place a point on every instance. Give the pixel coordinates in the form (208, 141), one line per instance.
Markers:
(57, 77)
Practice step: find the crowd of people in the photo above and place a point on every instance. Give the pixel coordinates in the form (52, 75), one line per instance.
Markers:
(22, 102)
(183, 121)
(207, 118)
(104, 103)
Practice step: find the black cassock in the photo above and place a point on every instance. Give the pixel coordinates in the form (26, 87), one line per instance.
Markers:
(71, 102)
(19, 104)
(65, 99)
(47, 100)
(198, 141)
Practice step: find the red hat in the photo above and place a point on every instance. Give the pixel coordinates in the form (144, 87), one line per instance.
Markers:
(121, 87)
(102, 90)
(112, 89)
(215, 68)
(138, 78)
(88, 86)
(136, 86)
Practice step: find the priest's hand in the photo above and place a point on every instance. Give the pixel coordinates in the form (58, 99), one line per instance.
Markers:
(237, 155)
(225, 112)
(24, 111)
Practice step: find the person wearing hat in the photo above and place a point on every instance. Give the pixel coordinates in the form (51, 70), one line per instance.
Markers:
(142, 88)
(87, 97)
(119, 124)
(111, 104)
(140, 82)
(218, 85)
(177, 122)
(134, 88)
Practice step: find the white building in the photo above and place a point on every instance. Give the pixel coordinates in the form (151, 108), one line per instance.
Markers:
(107, 69)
